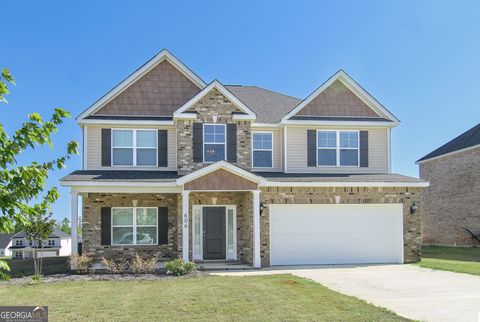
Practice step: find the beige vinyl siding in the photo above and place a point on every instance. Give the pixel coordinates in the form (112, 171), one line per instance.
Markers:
(94, 148)
(277, 136)
(377, 151)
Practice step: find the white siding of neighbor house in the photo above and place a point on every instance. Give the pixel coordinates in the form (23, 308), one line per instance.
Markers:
(277, 137)
(94, 148)
(378, 151)
(65, 247)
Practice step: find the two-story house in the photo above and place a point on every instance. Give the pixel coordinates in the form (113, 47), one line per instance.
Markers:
(176, 167)
(58, 243)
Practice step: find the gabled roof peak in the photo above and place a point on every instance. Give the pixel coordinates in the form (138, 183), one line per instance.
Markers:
(354, 87)
(215, 84)
(163, 55)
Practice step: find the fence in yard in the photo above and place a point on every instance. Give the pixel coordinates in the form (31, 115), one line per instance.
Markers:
(51, 265)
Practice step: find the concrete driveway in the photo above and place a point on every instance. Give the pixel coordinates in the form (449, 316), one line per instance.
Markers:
(411, 291)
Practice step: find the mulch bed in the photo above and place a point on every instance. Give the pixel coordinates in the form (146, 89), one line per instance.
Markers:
(55, 278)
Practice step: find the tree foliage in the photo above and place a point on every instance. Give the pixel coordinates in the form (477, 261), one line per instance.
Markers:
(22, 195)
(64, 226)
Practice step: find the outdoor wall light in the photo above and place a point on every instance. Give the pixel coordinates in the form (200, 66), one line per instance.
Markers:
(413, 208)
(261, 208)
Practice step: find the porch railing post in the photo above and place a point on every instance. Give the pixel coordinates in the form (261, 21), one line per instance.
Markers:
(256, 229)
(185, 224)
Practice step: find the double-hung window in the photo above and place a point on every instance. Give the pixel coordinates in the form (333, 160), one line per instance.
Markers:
(19, 242)
(214, 142)
(337, 148)
(51, 242)
(134, 226)
(134, 147)
(262, 149)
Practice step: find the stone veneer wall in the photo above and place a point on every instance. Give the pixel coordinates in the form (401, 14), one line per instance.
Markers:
(452, 200)
(243, 201)
(373, 195)
(214, 103)
(91, 226)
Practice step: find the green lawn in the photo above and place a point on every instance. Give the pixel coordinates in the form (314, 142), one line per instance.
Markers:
(210, 298)
(455, 259)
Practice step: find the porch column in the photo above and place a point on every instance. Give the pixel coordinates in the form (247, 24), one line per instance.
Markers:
(185, 223)
(74, 223)
(256, 229)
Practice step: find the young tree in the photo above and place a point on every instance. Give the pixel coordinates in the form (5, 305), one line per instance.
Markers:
(40, 226)
(22, 193)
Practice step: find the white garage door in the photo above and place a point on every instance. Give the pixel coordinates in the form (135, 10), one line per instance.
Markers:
(336, 234)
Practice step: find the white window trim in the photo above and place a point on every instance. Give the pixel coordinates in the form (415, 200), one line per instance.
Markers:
(224, 144)
(271, 150)
(51, 242)
(338, 148)
(133, 226)
(19, 242)
(199, 256)
(134, 148)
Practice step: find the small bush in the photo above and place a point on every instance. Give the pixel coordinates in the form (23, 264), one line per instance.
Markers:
(139, 265)
(178, 267)
(83, 262)
(114, 266)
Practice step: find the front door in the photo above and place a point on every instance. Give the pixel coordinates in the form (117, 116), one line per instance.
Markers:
(214, 233)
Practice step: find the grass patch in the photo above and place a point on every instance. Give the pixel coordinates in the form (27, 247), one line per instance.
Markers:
(211, 298)
(455, 259)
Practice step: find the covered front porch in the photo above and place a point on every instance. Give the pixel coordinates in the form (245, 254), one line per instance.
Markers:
(221, 215)
(221, 226)
(208, 216)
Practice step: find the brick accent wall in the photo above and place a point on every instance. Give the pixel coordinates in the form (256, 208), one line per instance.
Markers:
(452, 200)
(243, 200)
(372, 195)
(214, 103)
(91, 225)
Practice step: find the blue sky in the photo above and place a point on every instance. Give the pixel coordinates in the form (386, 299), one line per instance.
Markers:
(419, 58)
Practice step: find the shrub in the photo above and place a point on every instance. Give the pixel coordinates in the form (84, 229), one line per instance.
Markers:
(140, 265)
(114, 266)
(178, 267)
(83, 262)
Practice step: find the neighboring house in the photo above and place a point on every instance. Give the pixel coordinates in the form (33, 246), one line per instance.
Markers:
(5, 243)
(57, 244)
(175, 167)
(452, 202)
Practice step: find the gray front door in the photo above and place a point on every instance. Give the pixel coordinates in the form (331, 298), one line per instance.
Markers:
(214, 233)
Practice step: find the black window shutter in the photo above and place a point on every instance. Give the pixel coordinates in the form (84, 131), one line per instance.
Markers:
(106, 225)
(232, 142)
(162, 148)
(363, 148)
(312, 148)
(197, 142)
(106, 147)
(162, 225)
